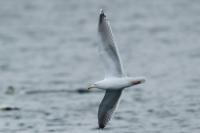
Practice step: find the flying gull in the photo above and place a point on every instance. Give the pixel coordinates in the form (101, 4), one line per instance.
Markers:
(115, 80)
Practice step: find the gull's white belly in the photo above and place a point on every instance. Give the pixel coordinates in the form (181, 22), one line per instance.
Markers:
(113, 83)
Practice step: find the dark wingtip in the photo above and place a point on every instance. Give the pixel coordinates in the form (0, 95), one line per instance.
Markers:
(101, 126)
(102, 15)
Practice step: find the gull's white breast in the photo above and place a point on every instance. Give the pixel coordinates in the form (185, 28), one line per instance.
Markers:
(113, 83)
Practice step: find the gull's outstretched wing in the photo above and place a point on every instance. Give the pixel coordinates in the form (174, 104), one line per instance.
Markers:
(108, 106)
(108, 49)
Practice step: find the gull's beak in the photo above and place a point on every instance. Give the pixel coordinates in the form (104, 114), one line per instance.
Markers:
(91, 86)
(139, 81)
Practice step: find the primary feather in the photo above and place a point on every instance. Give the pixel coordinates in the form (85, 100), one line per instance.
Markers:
(108, 49)
(108, 106)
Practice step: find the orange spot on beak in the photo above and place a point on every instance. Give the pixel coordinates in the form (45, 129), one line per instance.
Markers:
(136, 82)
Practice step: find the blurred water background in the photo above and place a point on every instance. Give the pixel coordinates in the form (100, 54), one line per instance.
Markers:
(48, 54)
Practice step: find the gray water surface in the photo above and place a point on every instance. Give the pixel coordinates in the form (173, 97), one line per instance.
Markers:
(48, 52)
